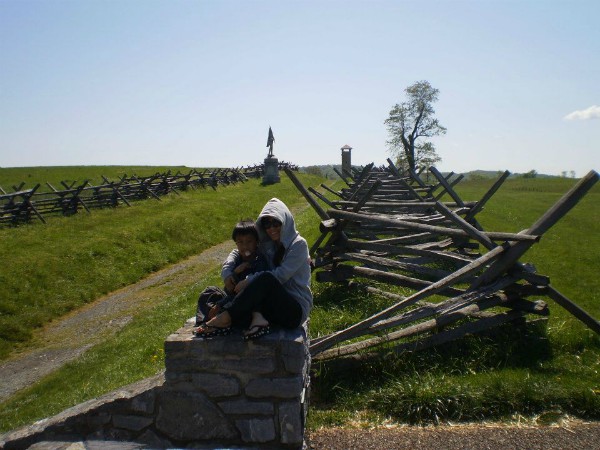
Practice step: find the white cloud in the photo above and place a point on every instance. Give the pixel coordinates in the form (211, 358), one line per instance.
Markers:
(593, 112)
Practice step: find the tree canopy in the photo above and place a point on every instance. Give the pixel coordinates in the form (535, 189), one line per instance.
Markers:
(411, 120)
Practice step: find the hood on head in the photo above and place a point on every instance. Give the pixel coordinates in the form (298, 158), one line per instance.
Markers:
(278, 210)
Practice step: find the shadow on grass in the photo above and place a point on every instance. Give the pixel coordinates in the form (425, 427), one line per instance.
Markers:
(489, 376)
(518, 369)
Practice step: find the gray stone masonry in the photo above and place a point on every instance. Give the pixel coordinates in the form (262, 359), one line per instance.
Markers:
(215, 393)
(271, 175)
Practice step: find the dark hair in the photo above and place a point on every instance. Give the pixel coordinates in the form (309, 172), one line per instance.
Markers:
(243, 228)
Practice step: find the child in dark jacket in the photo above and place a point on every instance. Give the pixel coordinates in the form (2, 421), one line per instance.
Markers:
(280, 296)
(244, 260)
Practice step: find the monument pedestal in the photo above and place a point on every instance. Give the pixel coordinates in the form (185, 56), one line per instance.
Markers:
(271, 175)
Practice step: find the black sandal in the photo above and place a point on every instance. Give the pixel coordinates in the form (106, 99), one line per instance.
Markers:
(207, 331)
(261, 330)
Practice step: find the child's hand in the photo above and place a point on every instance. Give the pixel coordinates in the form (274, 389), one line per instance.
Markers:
(230, 284)
(241, 268)
(241, 286)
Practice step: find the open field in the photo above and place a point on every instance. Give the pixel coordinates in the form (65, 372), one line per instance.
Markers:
(52, 269)
(31, 176)
(544, 372)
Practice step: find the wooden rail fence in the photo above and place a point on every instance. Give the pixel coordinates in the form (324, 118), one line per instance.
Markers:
(24, 205)
(388, 228)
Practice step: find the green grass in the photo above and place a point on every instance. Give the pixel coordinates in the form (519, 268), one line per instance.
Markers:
(136, 351)
(543, 371)
(14, 176)
(52, 269)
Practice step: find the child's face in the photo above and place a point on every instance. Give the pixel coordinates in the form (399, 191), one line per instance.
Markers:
(246, 245)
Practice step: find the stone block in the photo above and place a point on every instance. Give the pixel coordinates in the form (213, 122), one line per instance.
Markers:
(216, 385)
(296, 358)
(144, 403)
(176, 344)
(190, 365)
(131, 422)
(187, 416)
(285, 388)
(149, 439)
(256, 430)
(178, 377)
(290, 423)
(244, 406)
(248, 365)
(96, 421)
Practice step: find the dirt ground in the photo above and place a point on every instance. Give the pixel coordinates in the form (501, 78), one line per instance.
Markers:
(567, 435)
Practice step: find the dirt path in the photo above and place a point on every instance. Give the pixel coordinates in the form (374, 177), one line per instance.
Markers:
(571, 434)
(65, 339)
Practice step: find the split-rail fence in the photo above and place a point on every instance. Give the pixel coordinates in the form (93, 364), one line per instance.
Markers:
(24, 205)
(389, 229)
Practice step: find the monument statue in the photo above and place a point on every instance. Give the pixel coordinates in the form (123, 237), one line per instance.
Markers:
(270, 141)
(271, 174)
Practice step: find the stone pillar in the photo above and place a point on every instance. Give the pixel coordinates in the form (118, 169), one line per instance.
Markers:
(226, 391)
(347, 160)
(271, 175)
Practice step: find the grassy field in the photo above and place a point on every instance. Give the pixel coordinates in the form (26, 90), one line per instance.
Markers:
(14, 176)
(52, 269)
(543, 372)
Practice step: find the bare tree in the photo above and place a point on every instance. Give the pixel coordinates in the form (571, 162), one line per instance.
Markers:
(411, 120)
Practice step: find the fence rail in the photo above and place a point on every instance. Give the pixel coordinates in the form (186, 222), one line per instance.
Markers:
(390, 228)
(26, 205)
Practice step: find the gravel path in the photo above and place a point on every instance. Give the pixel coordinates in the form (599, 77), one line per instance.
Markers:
(568, 435)
(65, 339)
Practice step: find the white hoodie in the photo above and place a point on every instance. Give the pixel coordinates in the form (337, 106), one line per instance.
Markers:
(294, 271)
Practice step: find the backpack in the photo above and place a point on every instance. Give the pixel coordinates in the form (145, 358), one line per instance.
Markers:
(209, 298)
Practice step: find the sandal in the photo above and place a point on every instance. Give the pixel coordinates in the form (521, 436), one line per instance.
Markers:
(206, 331)
(260, 330)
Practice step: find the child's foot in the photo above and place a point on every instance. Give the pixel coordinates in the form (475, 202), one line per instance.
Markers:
(206, 331)
(222, 320)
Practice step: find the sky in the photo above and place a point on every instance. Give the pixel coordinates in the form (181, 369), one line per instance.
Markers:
(199, 83)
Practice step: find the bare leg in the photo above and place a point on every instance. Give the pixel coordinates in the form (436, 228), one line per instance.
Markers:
(219, 325)
(220, 321)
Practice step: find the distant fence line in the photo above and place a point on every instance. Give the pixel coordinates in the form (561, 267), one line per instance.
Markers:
(24, 205)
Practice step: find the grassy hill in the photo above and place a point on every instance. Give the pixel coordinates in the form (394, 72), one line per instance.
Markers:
(52, 269)
(542, 372)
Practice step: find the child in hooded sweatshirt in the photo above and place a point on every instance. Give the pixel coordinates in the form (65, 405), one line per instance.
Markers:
(244, 260)
(278, 296)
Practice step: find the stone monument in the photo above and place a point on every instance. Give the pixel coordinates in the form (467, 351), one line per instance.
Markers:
(271, 174)
(347, 160)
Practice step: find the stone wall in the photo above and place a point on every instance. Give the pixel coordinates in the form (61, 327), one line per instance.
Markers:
(230, 391)
(214, 392)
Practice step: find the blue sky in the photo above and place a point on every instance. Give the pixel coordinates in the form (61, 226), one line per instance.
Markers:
(198, 83)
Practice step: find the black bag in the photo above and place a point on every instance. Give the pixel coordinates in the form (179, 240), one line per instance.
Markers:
(210, 297)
